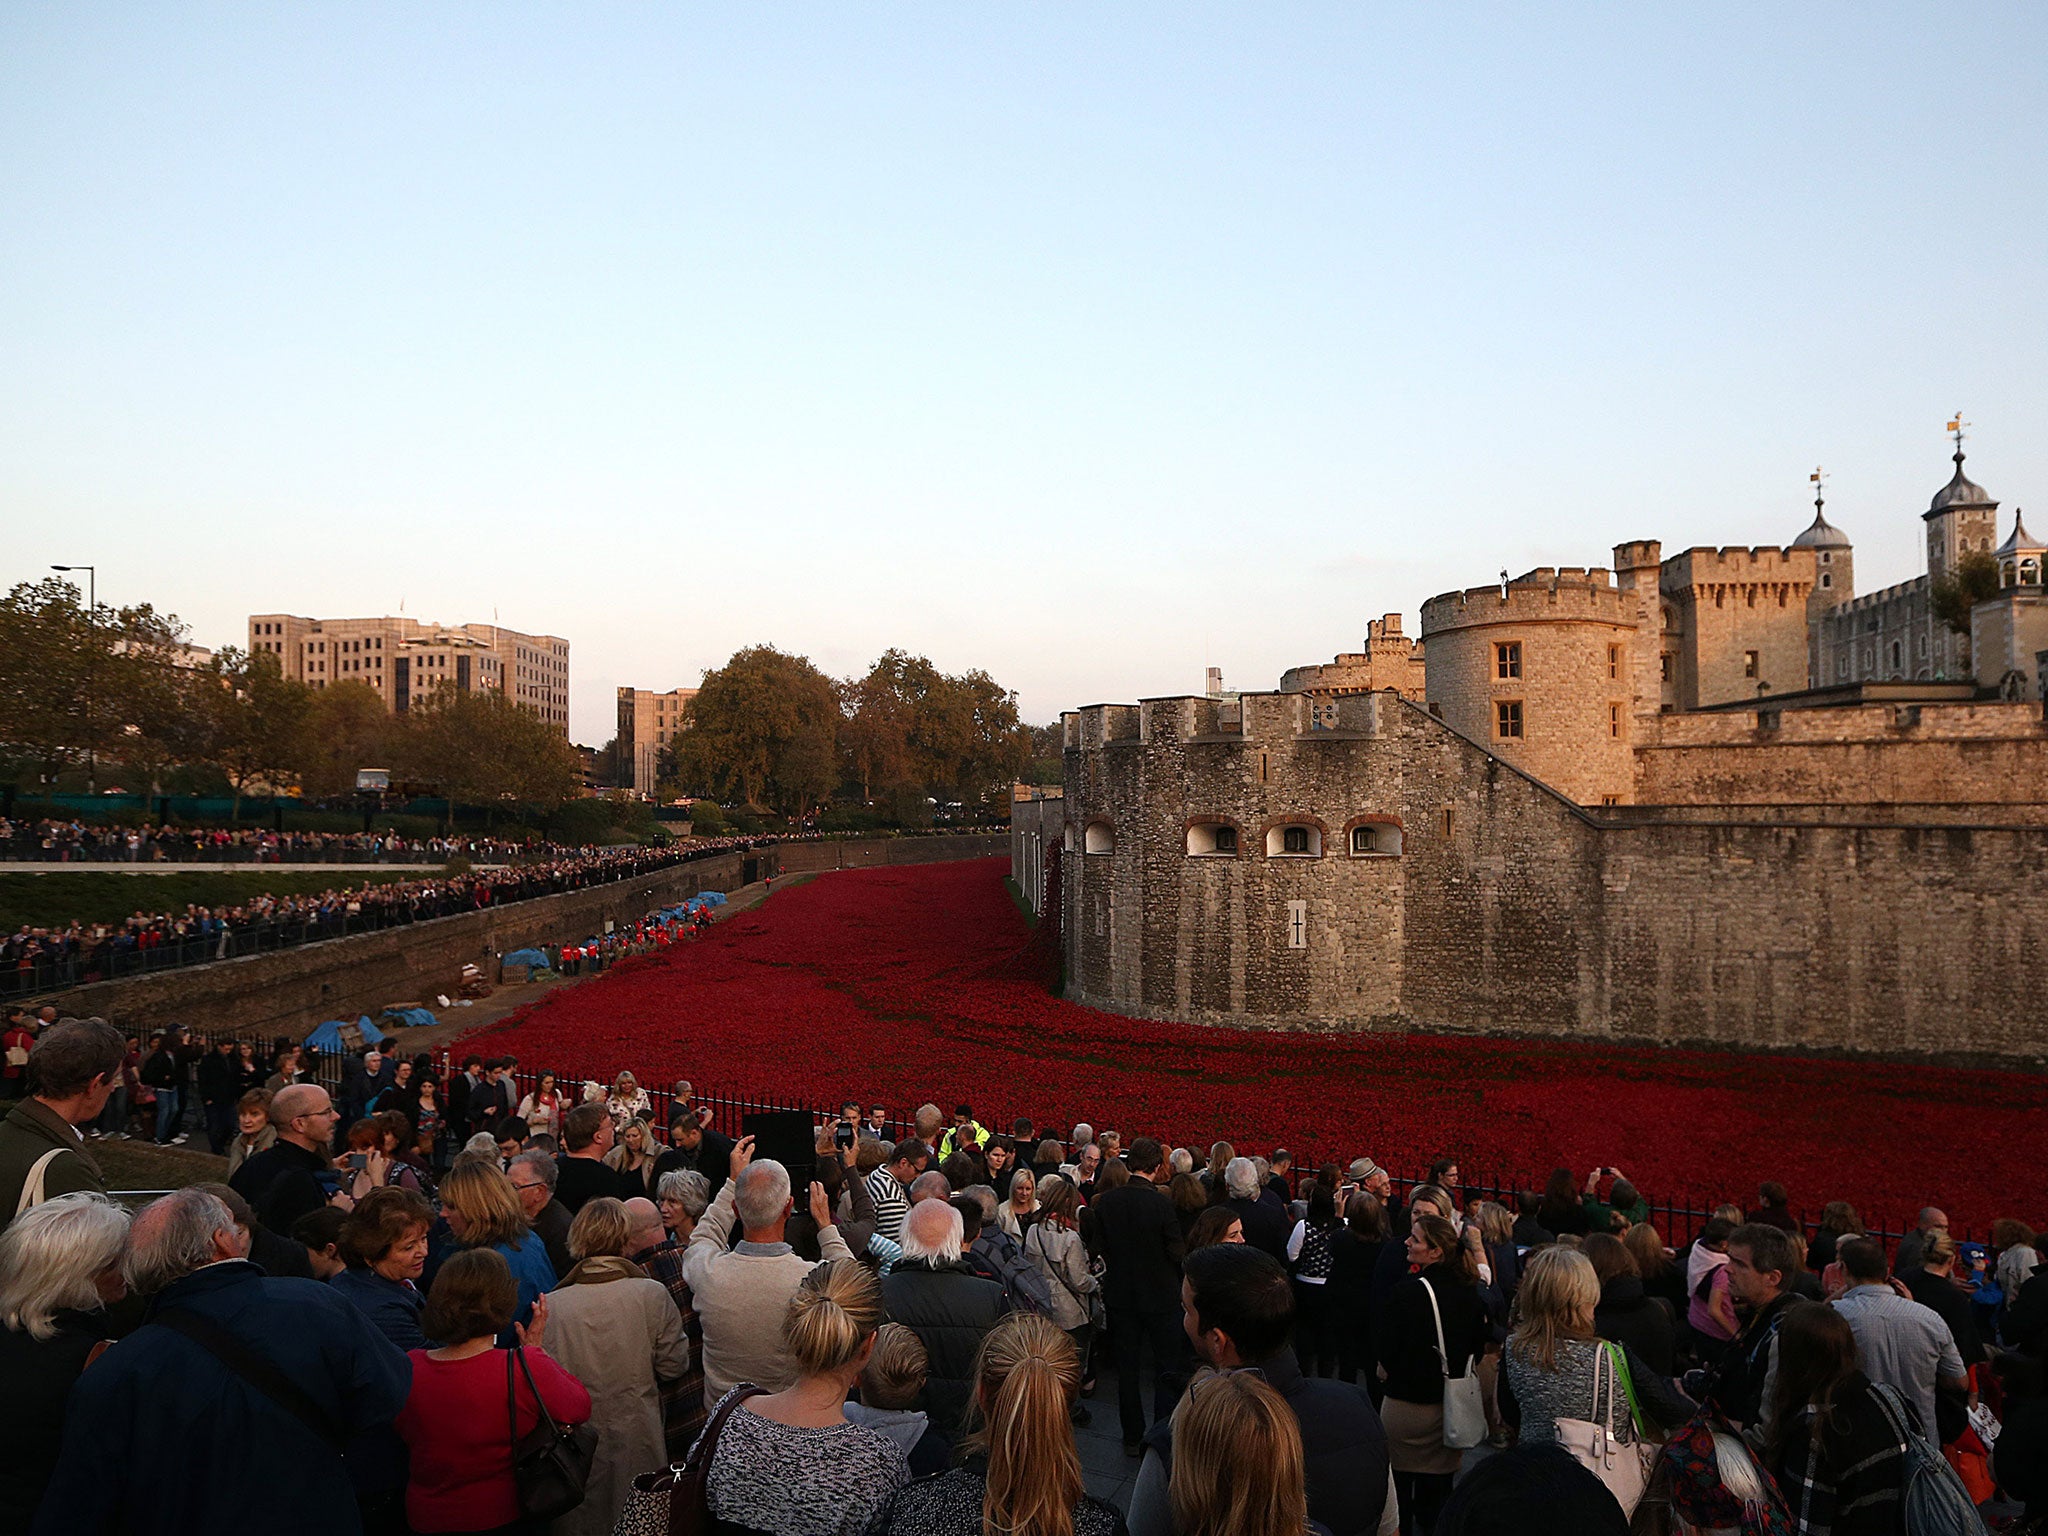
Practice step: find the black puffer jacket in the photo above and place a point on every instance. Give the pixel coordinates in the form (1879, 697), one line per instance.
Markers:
(1628, 1316)
(951, 1309)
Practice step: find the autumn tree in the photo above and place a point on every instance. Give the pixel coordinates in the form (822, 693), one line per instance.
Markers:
(252, 720)
(764, 727)
(483, 748)
(347, 728)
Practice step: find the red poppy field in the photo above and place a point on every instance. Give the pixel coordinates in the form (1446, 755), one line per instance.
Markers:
(902, 985)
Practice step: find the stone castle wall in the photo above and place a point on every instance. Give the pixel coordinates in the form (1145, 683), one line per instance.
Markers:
(1956, 760)
(1510, 910)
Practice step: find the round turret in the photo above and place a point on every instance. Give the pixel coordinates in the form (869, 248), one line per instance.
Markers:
(1821, 534)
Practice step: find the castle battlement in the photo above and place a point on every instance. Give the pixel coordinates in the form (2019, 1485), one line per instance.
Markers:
(1545, 595)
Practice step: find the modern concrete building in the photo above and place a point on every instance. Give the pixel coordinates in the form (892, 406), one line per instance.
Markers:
(403, 659)
(648, 722)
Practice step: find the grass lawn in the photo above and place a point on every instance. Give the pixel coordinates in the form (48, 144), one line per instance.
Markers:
(99, 896)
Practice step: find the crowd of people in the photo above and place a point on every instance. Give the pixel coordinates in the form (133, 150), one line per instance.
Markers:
(602, 1314)
(41, 958)
(51, 840)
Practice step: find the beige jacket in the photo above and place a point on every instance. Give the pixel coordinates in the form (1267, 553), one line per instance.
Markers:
(618, 1333)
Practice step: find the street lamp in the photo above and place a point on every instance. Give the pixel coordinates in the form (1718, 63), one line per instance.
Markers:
(92, 612)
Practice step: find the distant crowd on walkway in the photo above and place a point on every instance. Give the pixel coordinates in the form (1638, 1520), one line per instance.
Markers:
(72, 842)
(38, 958)
(895, 1332)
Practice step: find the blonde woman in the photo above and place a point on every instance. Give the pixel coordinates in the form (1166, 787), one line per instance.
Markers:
(1238, 1468)
(1017, 1214)
(482, 1210)
(1553, 1356)
(618, 1333)
(628, 1101)
(634, 1154)
(791, 1462)
(1022, 1475)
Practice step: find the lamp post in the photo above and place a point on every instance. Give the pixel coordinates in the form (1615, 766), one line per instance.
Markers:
(92, 614)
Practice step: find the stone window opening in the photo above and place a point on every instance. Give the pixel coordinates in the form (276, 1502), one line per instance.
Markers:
(1507, 660)
(1098, 837)
(1614, 661)
(1614, 721)
(1749, 663)
(1507, 719)
(1664, 667)
(1827, 580)
(1296, 840)
(1895, 656)
(1375, 839)
(1212, 840)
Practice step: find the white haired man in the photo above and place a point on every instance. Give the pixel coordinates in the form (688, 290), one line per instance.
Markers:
(936, 1294)
(235, 1376)
(743, 1292)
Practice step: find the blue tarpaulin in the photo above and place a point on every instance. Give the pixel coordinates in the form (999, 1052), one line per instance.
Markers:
(411, 1018)
(527, 957)
(328, 1036)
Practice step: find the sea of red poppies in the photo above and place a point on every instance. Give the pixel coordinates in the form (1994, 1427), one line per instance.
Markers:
(925, 983)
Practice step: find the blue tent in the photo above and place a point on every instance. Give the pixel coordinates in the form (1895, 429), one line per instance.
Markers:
(328, 1036)
(527, 957)
(411, 1018)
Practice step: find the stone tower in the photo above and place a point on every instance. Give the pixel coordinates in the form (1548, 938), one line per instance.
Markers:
(1962, 519)
(1834, 581)
(1540, 672)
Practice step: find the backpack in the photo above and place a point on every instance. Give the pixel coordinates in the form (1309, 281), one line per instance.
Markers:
(1715, 1483)
(1937, 1503)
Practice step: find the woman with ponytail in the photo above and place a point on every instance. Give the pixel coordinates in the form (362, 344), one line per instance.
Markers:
(1022, 1475)
(1238, 1466)
(790, 1463)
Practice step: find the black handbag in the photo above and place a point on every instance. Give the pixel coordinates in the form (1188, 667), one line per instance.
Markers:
(551, 1465)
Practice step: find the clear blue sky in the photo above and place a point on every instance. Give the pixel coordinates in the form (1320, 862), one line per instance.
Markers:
(1089, 345)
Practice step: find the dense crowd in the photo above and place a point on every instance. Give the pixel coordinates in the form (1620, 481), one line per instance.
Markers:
(505, 1302)
(74, 842)
(34, 959)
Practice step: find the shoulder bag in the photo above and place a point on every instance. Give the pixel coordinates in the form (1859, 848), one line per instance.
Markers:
(1623, 1467)
(1091, 1304)
(34, 1186)
(677, 1502)
(550, 1464)
(1464, 1406)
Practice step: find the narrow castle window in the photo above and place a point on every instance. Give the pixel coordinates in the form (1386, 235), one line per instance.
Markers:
(1294, 840)
(1614, 721)
(1507, 659)
(1664, 666)
(1614, 661)
(1827, 580)
(1895, 655)
(1749, 663)
(1507, 719)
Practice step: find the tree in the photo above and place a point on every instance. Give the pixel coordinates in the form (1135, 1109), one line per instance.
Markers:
(155, 708)
(347, 727)
(1048, 755)
(765, 727)
(50, 658)
(251, 720)
(1956, 592)
(914, 734)
(483, 748)
(998, 747)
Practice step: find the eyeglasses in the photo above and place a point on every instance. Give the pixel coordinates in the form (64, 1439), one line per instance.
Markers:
(524, 1187)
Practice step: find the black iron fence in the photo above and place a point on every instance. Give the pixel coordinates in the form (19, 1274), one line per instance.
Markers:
(1677, 1223)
